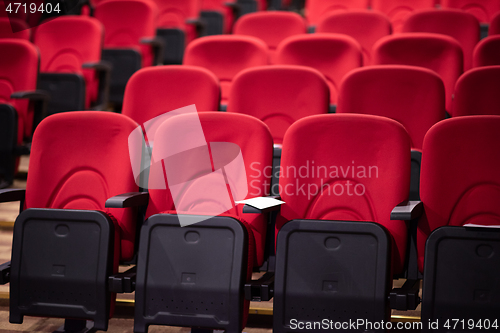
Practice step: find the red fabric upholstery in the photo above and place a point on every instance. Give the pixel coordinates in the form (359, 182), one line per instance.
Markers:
(494, 28)
(126, 23)
(413, 96)
(66, 44)
(255, 143)
(483, 10)
(462, 26)
(334, 55)
(79, 160)
(226, 56)
(19, 61)
(316, 9)
(317, 152)
(221, 7)
(153, 91)
(487, 52)
(399, 10)
(443, 54)
(476, 92)
(279, 95)
(460, 182)
(272, 27)
(366, 27)
(175, 13)
(7, 24)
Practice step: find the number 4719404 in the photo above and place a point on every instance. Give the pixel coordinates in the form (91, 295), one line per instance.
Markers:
(17, 7)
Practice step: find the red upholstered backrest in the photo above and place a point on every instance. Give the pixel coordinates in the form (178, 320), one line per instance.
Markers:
(462, 26)
(476, 92)
(226, 56)
(494, 28)
(399, 10)
(21, 26)
(366, 27)
(443, 54)
(69, 41)
(483, 10)
(487, 52)
(272, 27)
(78, 160)
(347, 167)
(279, 95)
(174, 13)
(459, 180)
(153, 91)
(316, 9)
(413, 96)
(126, 22)
(19, 62)
(334, 55)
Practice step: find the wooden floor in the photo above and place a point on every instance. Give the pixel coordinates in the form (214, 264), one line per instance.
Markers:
(260, 320)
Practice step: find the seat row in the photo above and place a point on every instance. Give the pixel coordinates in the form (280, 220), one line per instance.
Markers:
(341, 231)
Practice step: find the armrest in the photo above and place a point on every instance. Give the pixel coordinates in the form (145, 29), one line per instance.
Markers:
(99, 66)
(126, 200)
(199, 24)
(157, 46)
(12, 194)
(408, 210)
(405, 298)
(250, 209)
(260, 290)
(123, 282)
(151, 41)
(34, 95)
(5, 273)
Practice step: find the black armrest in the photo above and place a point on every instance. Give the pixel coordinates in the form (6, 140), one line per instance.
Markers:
(408, 210)
(247, 209)
(103, 70)
(125, 200)
(157, 46)
(34, 95)
(99, 66)
(199, 24)
(123, 282)
(406, 297)
(5, 273)
(260, 290)
(12, 194)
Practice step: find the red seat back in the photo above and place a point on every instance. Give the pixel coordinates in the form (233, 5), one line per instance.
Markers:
(442, 54)
(19, 62)
(334, 55)
(79, 160)
(7, 26)
(175, 13)
(483, 10)
(462, 26)
(346, 167)
(399, 10)
(153, 91)
(316, 9)
(413, 96)
(460, 182)
(226, 56)
(366, 27)
(476, 92)
(494, 28)
(487, 52)
(272, 27)
(279, 96)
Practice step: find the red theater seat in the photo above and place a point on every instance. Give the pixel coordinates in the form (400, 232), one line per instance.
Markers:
(71, 46)
(366, 27)
(7, 25)
(235, 239)
(487, 52)
(66, 243)
(316, 9)
(494, 28)
(226, 56)
(272, 27)
(334, 55)
(440, 53)
(460, 186)
(462, 26)
(399, 10)
(483, 10)
(337, 248)
(154, 91)
(476, 92)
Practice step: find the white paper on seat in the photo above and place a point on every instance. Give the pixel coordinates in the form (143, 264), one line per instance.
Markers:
(261, 202)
